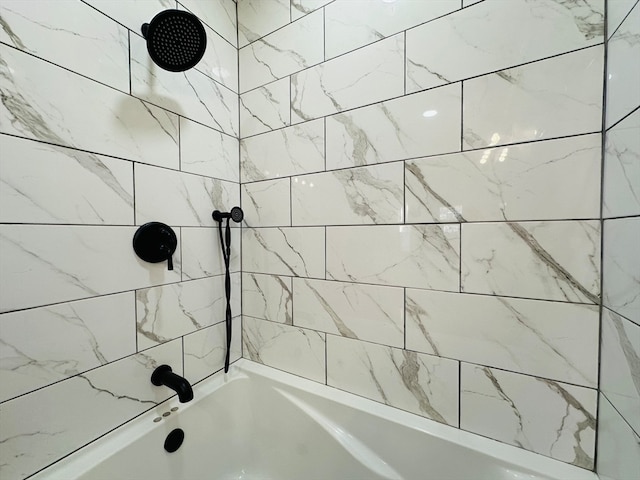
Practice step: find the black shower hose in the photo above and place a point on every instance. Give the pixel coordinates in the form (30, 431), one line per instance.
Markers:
(225, 243)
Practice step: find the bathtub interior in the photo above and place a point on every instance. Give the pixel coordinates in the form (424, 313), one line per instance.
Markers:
(258, 423)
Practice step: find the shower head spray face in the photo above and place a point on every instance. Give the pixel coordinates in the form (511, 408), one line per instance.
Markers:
(176, 40)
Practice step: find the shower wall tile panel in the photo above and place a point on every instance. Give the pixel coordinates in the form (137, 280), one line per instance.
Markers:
(268, 203)
(205, 350)
(555, 179)
(292, 349)
(300, 8)
(620, 366)
(172, 311)
(185, 199)
(617, 11)
(56, 111)
(267, 297)
(528, 32)
(365, 312)
(547, 417)
(265, 108)
(415, 382)
(550, 98)
(295, 47)
(288, 151)
(45, 345)
(533, 260)
(623, 72)
(368, 75)
(350, 24)
(207, 152)
(618, 445)
(190, 94)
(62, 263)
(417, 125)
(257, 18)
(54, 421)
(366, 195)
(50, 30)
(76, 145)
(284, 251)
(43, 183)
(621, 267)
(420, 256)
(525, 336)
(621, 189)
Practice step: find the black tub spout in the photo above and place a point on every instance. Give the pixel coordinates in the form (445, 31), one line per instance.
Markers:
(163, 375)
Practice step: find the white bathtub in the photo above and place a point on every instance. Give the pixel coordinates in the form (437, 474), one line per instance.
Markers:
(260, 423)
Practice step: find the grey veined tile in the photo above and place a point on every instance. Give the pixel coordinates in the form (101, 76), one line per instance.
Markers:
(265, 108)
(618, 445)
(268, 297)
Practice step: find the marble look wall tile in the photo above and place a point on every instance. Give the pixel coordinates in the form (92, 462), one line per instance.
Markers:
(257, 18)
(43, 183)
(289, 151)
(620, 366)
(366, 195)
(267, 204)
(623, 69)
(267, 297)
(178, 198)
(171, 311)
(45, 425)
(528, 31)
(202, 255)
(205, 350)
(284, 251)
(617, 10)
(421, 256)
(300, 8)
(207, 152)
(294, 350)
(265, 109)
(56, 111)
(132, 14)
(220, 15)
(621, 189)
(621, 267)
(543, 416)
(190, 94)
(365, 312)
(547, 339)
(545, 260)
(368, 75)
(40, 265)
(618, 444)
(350, 24)
(468, 3)
(426, 123)
(44, 345)
(70, 34)
(297, 46)
(552, 98)
(554, 179)
(421, 384)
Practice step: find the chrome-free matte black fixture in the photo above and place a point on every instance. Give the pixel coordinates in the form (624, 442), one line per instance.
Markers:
(163, 375)
(174, 440)
(155, 242)
(176, 40)
(236, 214)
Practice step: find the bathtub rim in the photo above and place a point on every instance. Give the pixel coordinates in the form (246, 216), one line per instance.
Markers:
(83, 459)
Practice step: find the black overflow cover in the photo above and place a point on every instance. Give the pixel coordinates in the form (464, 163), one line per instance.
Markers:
(174, 440)
(155, 242)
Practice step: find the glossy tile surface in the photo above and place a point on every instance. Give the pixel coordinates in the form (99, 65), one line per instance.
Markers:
(366, 195)
(556, 179)
(526, 336)
(545, 260)
(265, 109)
(427, 123)
(300, 8)
(421, 384)
(267, 204)
(202, 255)
(268, 297)
(421, 256)
(551, 98)
(544, 416)
(365, 312)
(260, 17)
(220, 15)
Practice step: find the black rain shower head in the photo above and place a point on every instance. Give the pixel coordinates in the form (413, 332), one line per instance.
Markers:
(176, 40)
